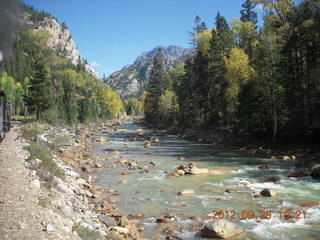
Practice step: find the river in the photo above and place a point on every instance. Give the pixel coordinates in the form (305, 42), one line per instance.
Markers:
(155, 195)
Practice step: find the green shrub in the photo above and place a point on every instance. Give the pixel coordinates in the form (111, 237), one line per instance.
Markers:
(41, 152)
(30, 132)
(86, 233)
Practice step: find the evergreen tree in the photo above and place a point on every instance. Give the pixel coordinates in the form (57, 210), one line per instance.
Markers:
(248, 31)
(223, 40)
(247, 13)
(40, 90)
(156, 87)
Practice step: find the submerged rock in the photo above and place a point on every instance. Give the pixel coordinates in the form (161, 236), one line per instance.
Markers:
(272, 179)
(266, 166)
(298, 174)
(222, 229)
(315, 171)
(230, 191)
(123, 181)
(268, 193)
(308, 204)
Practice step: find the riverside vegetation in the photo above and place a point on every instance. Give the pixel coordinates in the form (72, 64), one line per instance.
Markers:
(245, 80)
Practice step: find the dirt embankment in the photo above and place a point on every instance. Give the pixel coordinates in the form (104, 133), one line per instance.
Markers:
(47, 192)
(20, 215)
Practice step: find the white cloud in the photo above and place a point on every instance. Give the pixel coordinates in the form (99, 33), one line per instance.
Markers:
(95, 64)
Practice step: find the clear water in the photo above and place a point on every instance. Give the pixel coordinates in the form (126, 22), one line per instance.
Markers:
(155, 195)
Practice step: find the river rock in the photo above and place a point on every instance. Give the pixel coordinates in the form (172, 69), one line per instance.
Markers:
(308, 204)
(222, 229)
(153, 163)
(315, 171)
(120, 230)
(132, 164)
(272, 179)
(108, 221)
(123, 181)
(36, 184)
(186, 192)
(230, 191)
(102, 139)
(98, 165)
(114, 153)
(50, 228)
(63, 188)
(199, 171)
(180, 172)
(147, 145)
(268, 193)
(266, 166)
(298, 174)
(66, 211)
(180, 158)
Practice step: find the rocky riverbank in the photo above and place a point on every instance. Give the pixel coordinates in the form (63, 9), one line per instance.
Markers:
(304, 153)
(58, 168)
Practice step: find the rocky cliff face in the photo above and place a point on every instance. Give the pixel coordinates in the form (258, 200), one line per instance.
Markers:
(62, 42)
(132, 79)
(16, 17)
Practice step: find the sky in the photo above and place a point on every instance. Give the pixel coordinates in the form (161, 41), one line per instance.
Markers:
(113, 33)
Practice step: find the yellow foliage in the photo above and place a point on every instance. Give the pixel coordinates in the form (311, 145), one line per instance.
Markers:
(238, 71)
(168, 103)
(112, 105)
(143, 98)
(203, 39)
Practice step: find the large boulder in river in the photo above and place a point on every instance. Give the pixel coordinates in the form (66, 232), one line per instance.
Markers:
(268, 193)
(221, 229)
(315, 171)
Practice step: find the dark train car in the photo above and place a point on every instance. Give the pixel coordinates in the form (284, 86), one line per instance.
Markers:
(5, 115)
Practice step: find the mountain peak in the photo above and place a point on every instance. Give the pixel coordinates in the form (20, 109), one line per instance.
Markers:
(132, 79)
(172, 53)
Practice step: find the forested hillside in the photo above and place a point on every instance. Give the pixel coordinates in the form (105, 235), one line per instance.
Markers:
(245, 79)
(46, 76)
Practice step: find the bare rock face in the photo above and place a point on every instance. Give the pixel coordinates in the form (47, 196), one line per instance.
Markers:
(62, 42)
(132, 79)
(16, 18)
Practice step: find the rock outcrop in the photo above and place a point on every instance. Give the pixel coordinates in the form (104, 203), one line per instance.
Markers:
(18, 17)
(62, 42)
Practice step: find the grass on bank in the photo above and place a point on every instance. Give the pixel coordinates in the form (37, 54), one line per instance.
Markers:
(48, 167)
(37, 150)
(86, 233)
(30, 132)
